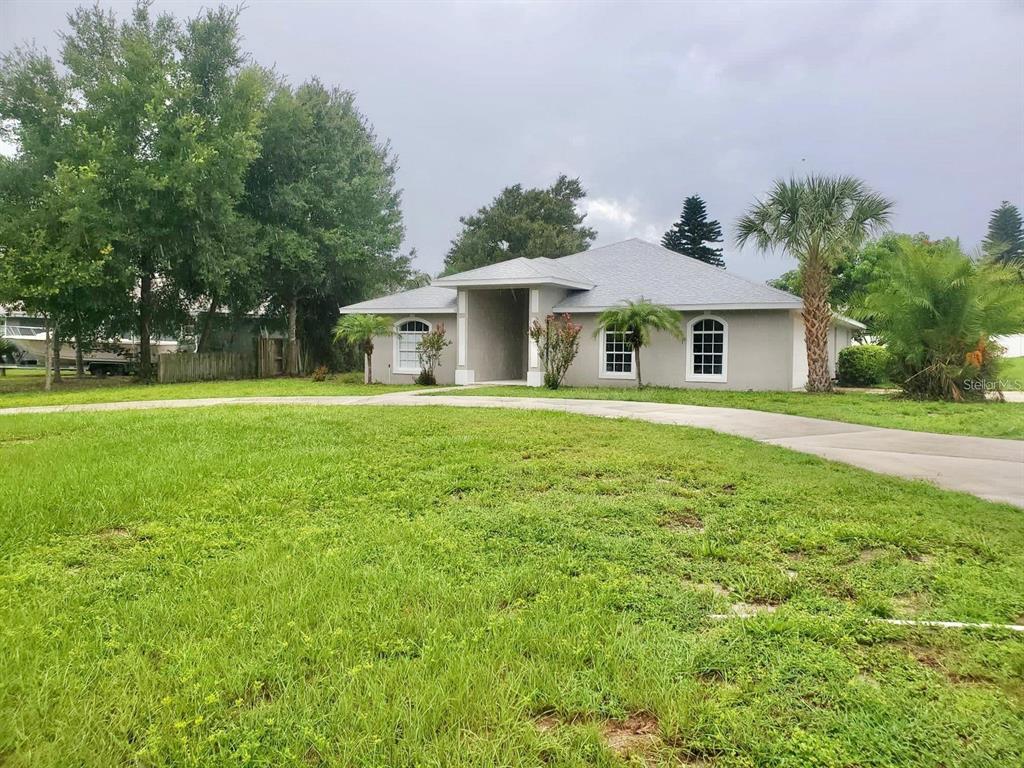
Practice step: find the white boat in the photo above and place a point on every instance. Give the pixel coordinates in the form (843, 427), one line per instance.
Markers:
(115, 355)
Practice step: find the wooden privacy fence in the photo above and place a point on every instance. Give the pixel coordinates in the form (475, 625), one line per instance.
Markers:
(204, 366)
(267, 360)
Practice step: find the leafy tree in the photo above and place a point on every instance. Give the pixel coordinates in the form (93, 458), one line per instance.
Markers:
(57, 260)
(637, 319)
(360, 331)
(522, 222)
(558, 343)
(322, 198)
(818, 220)
(936, 311)
(1004, 242)
(692, 233)
(172, 120)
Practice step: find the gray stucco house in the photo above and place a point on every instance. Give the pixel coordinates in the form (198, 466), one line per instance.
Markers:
(740, 334)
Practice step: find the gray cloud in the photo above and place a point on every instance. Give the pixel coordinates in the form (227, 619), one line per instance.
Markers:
(650, 103)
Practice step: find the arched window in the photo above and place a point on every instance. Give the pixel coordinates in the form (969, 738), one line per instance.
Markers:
(707, 349)
(407, 337)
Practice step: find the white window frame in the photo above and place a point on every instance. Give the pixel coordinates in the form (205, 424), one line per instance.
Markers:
(601, 362)
(396, 368)
(719, 377)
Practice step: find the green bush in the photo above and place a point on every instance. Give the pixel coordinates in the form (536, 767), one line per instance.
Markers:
(863, 365)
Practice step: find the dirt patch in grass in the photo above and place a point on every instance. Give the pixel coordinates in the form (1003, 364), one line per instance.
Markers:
(636, 735)
(682, 522)
(870, 554)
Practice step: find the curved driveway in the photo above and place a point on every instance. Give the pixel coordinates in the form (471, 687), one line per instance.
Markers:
(986, 467)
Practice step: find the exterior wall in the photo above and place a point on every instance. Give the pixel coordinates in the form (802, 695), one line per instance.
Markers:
(384, 352)
(759, 355)
(496, 319)
(839, 338)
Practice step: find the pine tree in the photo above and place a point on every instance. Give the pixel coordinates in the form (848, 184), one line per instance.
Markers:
(1005, 240)
(690, 235)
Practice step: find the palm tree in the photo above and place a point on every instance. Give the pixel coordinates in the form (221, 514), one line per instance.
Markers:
(637, 319)
(936, 310)
(816, 220)
(360, 331)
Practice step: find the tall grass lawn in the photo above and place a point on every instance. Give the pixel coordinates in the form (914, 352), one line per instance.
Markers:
(287, 586)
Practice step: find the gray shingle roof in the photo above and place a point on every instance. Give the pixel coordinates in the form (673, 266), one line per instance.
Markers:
(630, 270)
(520, 271)
(635, 268)
(429, 299)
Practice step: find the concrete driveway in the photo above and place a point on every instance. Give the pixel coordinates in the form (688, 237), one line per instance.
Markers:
(986, 467)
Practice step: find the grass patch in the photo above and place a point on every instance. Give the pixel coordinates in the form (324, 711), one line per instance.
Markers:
(1011, 371)
(386, 586)
(28, 390)
(990, 419)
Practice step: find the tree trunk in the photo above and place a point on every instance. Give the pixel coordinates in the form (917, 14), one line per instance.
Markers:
(47, 356)
(817, 321)
(636, 356)
(368, 363)
(145, 322)
(55, 339)
(79, 359)
(292, 361)
(204, 334)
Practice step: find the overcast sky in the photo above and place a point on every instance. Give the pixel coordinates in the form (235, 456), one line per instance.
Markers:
(649, 103)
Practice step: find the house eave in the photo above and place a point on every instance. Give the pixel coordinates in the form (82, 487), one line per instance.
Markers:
(397, 311)
(584, 310)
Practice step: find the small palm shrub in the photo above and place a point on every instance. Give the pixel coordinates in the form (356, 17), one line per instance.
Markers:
(360, 331)
(863, 365)
(320, 373)
(430, 348)
(558, 343)
(638, 319)
(936, 310)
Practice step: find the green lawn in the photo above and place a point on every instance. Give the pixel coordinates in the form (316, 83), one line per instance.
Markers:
(28, 390)
(990, 419)
(447, 587)
(1012, 373)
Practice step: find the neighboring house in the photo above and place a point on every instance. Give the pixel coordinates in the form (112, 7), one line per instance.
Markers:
(740, 334)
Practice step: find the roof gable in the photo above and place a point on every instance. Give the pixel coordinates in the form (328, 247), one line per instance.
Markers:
(519, 271)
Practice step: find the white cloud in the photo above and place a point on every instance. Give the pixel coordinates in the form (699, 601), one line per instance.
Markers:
(617, 220)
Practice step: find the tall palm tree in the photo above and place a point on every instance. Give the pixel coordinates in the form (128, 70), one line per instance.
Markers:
(816, 220)
(637, 319)
(360, 330)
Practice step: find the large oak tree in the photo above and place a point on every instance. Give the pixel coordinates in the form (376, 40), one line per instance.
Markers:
(522, 222)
